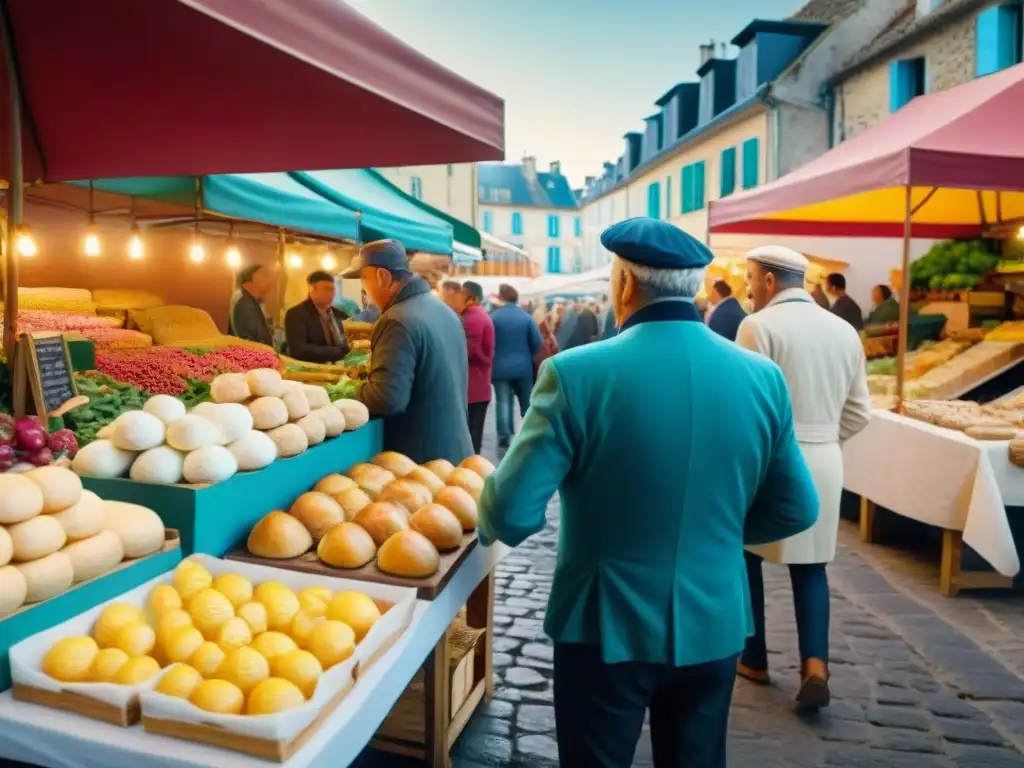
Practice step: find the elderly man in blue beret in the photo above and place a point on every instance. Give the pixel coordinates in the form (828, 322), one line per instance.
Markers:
(670, 448)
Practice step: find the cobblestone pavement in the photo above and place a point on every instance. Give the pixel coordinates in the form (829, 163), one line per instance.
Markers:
(919, 681)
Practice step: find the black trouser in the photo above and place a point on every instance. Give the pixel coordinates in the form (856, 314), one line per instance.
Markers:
(477, 415)
(600, 709)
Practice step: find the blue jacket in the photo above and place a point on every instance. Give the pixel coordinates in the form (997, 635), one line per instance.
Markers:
(726, 319)
(670, 449)
(516, 342)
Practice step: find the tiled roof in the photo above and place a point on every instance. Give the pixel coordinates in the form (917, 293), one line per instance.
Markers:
(506, 184)
(827, 11)
(907, 26)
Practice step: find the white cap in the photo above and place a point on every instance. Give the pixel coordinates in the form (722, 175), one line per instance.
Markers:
(780, 257)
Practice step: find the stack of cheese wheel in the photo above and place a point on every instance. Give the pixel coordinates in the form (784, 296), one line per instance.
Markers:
(254, 419)
(54, 534)
(389, 510)
(232, 647)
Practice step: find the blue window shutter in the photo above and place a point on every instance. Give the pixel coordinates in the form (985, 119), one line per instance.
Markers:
(517, 223)
(668, 197)
(577, 227)
(554, 259)
(751, 162)
(488, 221)
(897, 85)
(728, 179)
(698, 186)
(654, 200)
(553, 225)
(998, 38)
(417, 187)
(558, 258)
(687, 191)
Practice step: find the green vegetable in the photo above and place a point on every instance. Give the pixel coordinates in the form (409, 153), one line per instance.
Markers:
(344, 389)
(883, 366)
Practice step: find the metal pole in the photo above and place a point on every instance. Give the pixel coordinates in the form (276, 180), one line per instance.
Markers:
(282, 277)
(904, 325)
(15, 199)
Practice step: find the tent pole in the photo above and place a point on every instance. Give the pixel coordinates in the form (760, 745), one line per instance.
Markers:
(282, 277)
(15, 198)
(904, 323)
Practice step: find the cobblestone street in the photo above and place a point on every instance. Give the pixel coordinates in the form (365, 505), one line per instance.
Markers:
(918, 681)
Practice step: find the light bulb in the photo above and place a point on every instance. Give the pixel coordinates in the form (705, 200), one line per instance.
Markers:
(1020, 233)
(196, 252)
(295, 261)
(26, 245)
(92, 244)
(135, 246)
(328, 262)
(233, 256)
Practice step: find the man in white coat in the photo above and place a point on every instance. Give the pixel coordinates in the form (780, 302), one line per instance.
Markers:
(822, 358)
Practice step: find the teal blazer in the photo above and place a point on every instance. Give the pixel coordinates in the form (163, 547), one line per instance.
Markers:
(670, 448)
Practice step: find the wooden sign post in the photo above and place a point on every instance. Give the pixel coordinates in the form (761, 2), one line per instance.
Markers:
(44, 383)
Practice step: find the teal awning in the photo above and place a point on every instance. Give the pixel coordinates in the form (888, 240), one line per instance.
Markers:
(384, 211)
(275, 199)
(464, 233)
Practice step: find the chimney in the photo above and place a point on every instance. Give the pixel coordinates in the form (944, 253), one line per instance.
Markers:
(707, 52)
(556, 168)
(724, 49)
(589, 181)
(530, 168)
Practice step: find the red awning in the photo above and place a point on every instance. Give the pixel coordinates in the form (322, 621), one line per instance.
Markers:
(116, 88)
(961, 151)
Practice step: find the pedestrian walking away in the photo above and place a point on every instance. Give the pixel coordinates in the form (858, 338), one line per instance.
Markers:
(517, 342)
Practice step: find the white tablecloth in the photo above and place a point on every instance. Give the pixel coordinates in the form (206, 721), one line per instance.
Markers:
(939, 477)
(55, 739)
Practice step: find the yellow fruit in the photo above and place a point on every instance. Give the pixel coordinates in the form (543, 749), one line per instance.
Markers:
(164, 597)
(255, 616)
(170, 622)
(245, 667)
(274, 695)
(302, 628)
(180, 646)
(332, 642)
(106, 665)
(299, 667)
(355, 609)
(179, 681)
(281, 604)
(234, 633)
(190, 579)
(137, 670)
(314, 601)
(218, 696)
(114, 616)
(207, 659)
(272, 644)
(209, 610)
(235, 588)
(70, 659)
(136, 639)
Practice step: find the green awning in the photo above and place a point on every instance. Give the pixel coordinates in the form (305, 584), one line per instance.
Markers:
(384, 212)
(464, 233)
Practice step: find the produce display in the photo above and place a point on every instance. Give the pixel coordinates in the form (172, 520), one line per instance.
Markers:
(54, 534)
(168, 370)
(389, 510)
(229, 646)
(953, 266)
(253, 419)
(25, 443)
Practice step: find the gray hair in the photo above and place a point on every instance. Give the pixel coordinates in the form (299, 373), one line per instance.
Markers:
(665, 283)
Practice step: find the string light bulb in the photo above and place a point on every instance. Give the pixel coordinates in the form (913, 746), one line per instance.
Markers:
(136, 249)
(328, 262)
(196, 252)
(295, 261)
(1020, 233)
(93, 246)
(25, 243)
(233, 256)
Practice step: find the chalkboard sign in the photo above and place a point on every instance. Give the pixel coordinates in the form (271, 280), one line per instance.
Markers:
(47, 366)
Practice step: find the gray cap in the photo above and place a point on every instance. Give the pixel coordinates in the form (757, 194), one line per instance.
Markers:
(385, 254)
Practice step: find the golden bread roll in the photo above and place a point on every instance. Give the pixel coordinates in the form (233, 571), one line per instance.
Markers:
(371, 478)
(279, 536)
(424, 476)
(382, 519)
(440, 467)
(353, 501)
(468, 480)
(318, 512)
(460, 503)
(407, 493)
(394, 462)
(409, 554)
(346, 546)
(334, 484)
(439, 524)
(478, 464)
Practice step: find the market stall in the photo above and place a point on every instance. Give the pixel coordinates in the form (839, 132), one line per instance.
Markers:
(945, 166)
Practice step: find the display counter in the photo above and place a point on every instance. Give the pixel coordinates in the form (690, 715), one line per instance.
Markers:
(214, 518)
(941, 478)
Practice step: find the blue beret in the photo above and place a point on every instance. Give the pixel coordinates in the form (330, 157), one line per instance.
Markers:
(657, 244)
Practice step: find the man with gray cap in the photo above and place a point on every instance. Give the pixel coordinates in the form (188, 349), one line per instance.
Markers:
(822, 358)
(418, 363)
(665, 465)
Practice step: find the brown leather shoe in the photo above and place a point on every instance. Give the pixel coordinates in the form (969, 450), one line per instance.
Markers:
(814, 692)
(756, 676)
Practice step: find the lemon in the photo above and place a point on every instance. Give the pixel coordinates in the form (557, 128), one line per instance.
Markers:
(209, 609)
(255, 616)
(136, 639)
(299, 667)
(235, 588)
(355, 609)
(179, 681)
(180, 645)
(274, 695)
(302, 628)
(245, 667)
(106, 665)
(314, 600)
(271, 644)
(137, 670)
(114, 616)
(234, 633)
(164, 597)
(190, 579)
(70, 659)
(281, 604)
(218, 696)
(207, 659)
(332, 642)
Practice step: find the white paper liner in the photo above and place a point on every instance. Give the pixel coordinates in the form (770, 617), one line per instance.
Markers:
(27, 656)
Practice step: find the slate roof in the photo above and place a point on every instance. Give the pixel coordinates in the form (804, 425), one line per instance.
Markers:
(506, 184)
(827, 11)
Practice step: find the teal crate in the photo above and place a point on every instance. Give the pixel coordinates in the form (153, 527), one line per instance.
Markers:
(215, 518)
(76, 600)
